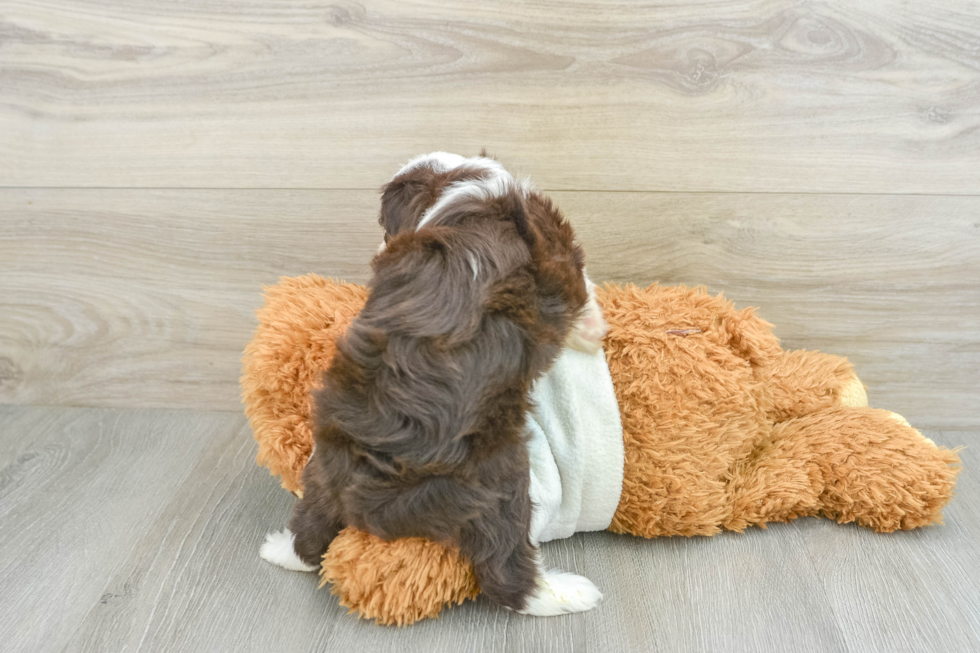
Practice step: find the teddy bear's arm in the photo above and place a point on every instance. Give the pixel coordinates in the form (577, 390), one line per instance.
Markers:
(399, 582)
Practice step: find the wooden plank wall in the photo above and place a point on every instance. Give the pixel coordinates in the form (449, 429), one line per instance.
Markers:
(161, 161)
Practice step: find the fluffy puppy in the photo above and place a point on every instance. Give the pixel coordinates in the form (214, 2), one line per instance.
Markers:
(420, 418)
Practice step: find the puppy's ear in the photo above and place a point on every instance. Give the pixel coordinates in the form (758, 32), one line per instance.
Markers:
(395, 205)
(396, 198)
(404, 199)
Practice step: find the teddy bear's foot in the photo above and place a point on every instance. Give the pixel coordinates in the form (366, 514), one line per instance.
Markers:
(401, 582)
(561, 593)
(901, 420)
(874, 468)
(850, 464)
(802, 382)
(852, 393)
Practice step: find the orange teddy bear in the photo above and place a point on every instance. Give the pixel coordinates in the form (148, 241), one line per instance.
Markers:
(722, 429)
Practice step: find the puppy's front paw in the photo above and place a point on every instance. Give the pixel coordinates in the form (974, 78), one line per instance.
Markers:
(279, 549)
(559, 592)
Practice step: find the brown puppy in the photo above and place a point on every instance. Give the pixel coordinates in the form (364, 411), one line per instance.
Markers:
(420, 420)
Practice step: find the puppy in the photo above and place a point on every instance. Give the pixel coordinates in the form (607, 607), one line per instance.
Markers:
(420, 418)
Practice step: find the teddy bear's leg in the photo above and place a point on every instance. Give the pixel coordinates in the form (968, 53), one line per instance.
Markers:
(853, 465)
(397, 582)
(802, 382)
(777, 483)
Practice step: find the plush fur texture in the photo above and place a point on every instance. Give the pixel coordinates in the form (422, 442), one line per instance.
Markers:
(397, 585)
(722, 430)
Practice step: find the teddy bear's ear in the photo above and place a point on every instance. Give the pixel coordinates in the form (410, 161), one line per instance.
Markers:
(292, 346)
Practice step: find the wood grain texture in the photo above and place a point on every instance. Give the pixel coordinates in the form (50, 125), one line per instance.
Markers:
(881, 96)
(194, 581)
(118, 543)
(145, 298)
(78, 491)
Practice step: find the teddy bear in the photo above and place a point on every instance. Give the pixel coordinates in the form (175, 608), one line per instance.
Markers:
(722, 429)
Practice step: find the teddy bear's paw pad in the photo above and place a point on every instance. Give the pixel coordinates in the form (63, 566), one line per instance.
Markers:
(852, 393)
(901, 420)
(279, 549)
(559, 592)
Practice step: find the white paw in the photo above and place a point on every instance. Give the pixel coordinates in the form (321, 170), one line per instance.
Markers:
(560, 593)
(278, 549)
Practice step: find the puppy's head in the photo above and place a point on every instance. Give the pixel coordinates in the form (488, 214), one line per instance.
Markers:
(448, 190)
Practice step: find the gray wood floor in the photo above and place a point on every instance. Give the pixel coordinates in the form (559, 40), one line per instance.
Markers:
(138, 530)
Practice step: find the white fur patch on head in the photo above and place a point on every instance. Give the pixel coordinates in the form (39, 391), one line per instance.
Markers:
(474, 264)
(279, 549)
(526, 186)
(558, 592)
(498, 184)
(486, 163)
(438, 161)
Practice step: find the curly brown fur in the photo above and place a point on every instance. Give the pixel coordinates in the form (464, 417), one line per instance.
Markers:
(419, 423)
